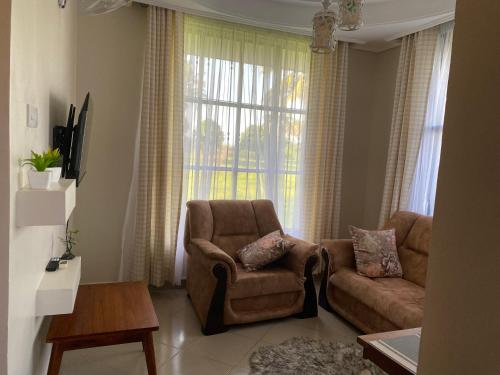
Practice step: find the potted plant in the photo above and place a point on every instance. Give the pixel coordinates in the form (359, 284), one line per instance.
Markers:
(69, 241)
(39, 177)
(54, 163)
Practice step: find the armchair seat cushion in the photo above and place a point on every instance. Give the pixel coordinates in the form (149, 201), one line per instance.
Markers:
(264, 282)
(400, 301)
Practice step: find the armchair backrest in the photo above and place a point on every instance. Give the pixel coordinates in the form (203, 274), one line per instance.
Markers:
(413, 238)
(230, 224)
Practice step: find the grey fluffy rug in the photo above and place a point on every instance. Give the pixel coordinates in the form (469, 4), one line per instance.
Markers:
(304, 356)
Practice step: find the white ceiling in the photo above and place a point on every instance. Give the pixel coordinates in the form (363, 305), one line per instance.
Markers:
(385, 20)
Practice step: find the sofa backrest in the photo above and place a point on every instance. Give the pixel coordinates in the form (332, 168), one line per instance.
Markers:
(413, 238)
(230, 224)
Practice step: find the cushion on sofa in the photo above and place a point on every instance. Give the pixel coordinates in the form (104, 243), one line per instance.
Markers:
(264, 282)
(375, 252)
(398, 300)
(264, 251)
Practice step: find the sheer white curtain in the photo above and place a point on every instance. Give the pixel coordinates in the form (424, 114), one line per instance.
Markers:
(245, 106)
(423, 190)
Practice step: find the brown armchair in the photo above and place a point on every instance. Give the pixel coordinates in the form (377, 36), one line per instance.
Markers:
(221, 291)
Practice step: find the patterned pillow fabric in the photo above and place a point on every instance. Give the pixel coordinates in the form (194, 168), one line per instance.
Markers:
(376, 252)
(264, 251)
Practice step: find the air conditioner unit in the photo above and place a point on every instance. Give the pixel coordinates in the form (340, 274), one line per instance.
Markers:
(95, 7)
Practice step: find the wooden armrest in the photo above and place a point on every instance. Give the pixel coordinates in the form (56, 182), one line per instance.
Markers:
(296, 259)
(340, 254)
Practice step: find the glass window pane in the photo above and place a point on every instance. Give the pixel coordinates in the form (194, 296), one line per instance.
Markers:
(221, 185)
(294, 90)
(191, 70)
(254, 138)
(248, 186)
(215, 135)
(220, 80)
(288, 185)
(290, 139)
(257, 85)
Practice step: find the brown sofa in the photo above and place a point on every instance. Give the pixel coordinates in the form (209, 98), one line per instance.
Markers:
(379, 304)
(224, 294)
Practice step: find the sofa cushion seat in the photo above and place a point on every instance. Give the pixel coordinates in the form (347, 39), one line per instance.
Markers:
(400, 301)
(264, 282)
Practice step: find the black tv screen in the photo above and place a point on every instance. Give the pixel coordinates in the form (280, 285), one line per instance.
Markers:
(80, 143)
(64, 142)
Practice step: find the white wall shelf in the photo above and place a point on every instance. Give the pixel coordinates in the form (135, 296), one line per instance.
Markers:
(46, 207)
(56, 293)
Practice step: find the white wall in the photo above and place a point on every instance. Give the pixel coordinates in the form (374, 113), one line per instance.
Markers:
(360, 98)
(43, 73)
(4, 179)
(380, 131)
(110, 56)
(370, 98)
(462, 304)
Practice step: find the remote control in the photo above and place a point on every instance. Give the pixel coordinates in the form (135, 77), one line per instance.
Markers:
(53, 264)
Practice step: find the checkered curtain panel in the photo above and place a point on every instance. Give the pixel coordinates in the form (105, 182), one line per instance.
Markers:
(324, 144)
(410, 105)
(160, 158)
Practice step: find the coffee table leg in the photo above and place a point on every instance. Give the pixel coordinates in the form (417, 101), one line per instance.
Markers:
(55, 359)
(149, 351)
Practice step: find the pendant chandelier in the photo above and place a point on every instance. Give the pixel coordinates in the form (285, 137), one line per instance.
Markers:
(325, 23)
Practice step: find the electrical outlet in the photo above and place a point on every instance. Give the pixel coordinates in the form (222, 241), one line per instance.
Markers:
(32, 118)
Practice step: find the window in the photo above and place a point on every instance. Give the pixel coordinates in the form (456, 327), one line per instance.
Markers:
(423, 191)
(245, 111)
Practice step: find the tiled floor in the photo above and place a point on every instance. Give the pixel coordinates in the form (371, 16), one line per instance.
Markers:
(182, 349)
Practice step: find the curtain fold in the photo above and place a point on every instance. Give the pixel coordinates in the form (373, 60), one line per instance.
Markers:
(155, 198)
(324, 144)
(410, 106)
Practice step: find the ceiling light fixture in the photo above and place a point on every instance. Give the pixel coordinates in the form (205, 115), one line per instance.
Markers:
(324, 25)
(351, 14)
(326, 22)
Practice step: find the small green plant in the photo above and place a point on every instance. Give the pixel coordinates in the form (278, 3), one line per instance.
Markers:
(47, 159)
(70, 240)
(54, 157)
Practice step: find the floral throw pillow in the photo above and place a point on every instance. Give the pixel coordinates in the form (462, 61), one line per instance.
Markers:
(376, 252)
(264, 251)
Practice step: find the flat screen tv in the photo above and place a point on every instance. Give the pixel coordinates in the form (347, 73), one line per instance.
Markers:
(73, 141)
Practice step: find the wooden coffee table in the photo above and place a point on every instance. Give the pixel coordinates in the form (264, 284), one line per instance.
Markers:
(105, 314)
(377, 353)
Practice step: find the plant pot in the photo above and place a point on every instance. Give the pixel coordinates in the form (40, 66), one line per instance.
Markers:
(56, 173)
(40, 180)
